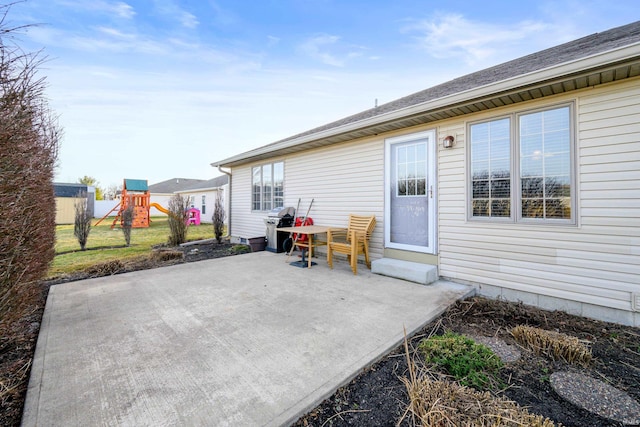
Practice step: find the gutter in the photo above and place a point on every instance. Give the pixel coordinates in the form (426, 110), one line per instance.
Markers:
(228, 213)
(523, 80)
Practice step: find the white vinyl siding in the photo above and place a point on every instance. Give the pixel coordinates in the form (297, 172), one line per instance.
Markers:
(597, 262)
(594, 261)
(346, 178)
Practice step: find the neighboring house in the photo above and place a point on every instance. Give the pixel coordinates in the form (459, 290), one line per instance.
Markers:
(203, 196)
(66, 196)
(522, 179)
(162, 191)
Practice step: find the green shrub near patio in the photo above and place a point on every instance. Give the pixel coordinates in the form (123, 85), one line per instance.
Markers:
(470, 363)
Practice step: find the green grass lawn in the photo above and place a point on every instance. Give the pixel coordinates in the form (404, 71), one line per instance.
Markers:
(105, 244)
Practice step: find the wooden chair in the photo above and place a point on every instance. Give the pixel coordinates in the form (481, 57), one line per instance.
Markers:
(352, 241)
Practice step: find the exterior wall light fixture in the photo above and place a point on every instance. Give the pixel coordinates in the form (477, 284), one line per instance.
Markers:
(447, 142)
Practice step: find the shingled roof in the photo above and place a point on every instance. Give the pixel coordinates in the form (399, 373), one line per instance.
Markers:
(448, 99)
(174, 184)
(210, 184)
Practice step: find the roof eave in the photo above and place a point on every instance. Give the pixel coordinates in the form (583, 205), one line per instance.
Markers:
(599, 60)
(195, 190)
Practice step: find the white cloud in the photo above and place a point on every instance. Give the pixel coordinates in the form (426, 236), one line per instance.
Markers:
(119, 9)
(316, 48)
(121, 44)
(114, 33)
(189, 20)
(329, 50)
(172, 10)
(454, 36)
(272, 40)
(123, 10)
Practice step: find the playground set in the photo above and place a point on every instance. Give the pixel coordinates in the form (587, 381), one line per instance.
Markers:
(135, 192)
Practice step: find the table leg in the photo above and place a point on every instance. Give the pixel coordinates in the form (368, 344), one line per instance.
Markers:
(310, 249)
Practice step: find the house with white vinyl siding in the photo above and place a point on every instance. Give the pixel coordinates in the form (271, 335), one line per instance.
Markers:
(522, 179)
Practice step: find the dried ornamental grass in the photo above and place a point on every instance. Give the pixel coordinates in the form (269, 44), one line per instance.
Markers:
(447, 404)
(555, 345)
(105, 268)
(167, 255)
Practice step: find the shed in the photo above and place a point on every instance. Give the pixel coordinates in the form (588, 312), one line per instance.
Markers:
(66, 196)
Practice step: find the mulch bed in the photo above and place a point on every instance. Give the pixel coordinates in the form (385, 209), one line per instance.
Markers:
(377, 397)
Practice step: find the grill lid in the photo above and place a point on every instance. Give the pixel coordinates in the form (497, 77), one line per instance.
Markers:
(280, 212)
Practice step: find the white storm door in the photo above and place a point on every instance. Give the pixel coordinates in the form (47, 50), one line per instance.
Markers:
(410, 208)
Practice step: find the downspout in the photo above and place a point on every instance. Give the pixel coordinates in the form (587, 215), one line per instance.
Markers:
(229, 213)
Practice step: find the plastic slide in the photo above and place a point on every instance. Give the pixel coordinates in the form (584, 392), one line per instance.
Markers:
(159, 207)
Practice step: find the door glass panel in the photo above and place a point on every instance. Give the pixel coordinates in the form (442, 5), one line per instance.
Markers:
(409, 200)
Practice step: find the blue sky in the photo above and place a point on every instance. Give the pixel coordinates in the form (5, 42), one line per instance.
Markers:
(158, 89)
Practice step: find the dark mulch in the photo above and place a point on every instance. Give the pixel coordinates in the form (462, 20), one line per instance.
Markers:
(377, 397)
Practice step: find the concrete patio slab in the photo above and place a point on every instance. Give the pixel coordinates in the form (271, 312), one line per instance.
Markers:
(244, 340)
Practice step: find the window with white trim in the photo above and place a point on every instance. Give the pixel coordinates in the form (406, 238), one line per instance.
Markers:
(522, 167)
(267, 186)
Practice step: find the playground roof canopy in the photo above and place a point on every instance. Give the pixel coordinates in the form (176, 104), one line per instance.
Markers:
(136, 185)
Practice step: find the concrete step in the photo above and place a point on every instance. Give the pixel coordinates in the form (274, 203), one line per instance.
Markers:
(406, 270)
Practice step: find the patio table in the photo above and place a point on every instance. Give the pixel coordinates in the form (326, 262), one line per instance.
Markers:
(311, 242)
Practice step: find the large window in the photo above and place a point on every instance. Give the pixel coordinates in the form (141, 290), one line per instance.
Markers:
(538, 184)
(491, 168)
(267, 187)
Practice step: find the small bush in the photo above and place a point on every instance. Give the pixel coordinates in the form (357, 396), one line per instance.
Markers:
(178, 228)
(82, 223)
(105, 268)
(555, 345)
(218, 218)
(471, 364)
(240, 249)
(127, 222)
(167, 255)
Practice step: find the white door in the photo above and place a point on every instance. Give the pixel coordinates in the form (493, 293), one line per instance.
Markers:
(410, 192)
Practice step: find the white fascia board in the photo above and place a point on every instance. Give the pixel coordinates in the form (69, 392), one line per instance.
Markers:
(597, 60)
(198, 190)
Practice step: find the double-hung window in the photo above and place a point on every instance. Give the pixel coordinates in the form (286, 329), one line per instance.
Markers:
(267, 186)
(522, 167)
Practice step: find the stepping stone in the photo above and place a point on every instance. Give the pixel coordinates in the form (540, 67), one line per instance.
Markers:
(507, 353)
(596, 397)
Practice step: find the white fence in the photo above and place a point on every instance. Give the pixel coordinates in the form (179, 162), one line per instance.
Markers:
(101, 207)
